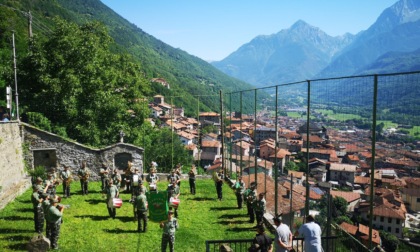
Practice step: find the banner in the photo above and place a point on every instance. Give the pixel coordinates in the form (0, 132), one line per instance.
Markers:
(158, 205)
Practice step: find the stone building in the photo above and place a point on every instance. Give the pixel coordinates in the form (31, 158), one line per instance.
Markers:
(50, 150)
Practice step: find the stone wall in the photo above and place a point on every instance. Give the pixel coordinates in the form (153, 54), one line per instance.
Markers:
(13, 179)
(65, 152)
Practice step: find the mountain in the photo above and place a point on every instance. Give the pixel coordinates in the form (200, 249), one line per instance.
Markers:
(297, 53)
(305, 52)
(396, 30)
(187, 75)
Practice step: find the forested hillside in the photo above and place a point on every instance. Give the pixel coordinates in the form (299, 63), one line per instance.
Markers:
(87, 71)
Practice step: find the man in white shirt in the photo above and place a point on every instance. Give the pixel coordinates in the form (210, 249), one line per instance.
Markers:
(283, 236)
(311, 232)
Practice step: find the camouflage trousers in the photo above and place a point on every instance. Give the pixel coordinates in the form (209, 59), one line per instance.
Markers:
(39, 219)
(84, 186)
(141, 216)
(167, 238)
(53, 232)
(66, 190)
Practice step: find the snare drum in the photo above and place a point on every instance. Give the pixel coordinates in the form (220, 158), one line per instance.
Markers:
(117, 202)
(135, 180)
(174, 202)
(152, 187)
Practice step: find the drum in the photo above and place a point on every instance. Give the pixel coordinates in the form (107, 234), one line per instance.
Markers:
(117, 202)
(135, 180)
(152, 187)
(174, 202)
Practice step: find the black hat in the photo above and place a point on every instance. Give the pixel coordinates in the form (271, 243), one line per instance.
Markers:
(277, 218)
(261, 227)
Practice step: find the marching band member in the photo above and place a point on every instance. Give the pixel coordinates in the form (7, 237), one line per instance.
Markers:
(104, 175)
(141, 205)
(152, 178)
(54, 220)
(191, 179)
(116, 179)
(67, 179)
(168, 236)
(111, 192)
(38, 210)
(173, 192)
(84, 175)
(128, 177)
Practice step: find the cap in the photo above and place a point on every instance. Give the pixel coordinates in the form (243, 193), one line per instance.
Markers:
(261, 227)
(277, 218)
(310, 218)
(38, 179)
(171, 212)
(173, 170)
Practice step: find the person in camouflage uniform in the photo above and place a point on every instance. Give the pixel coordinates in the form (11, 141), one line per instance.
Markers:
(142, 206)
(37, 200)
(104, 171)
(50, 184)
(54, 220)
(259, 207)
(239, 187)
(173, 177)
(111, 192)
(173, 192)
(250, 196)
(168, 236)
(191, 179)
(83, 173)
(66, 178)
(116, 179)
(152, 178)
(219, 184)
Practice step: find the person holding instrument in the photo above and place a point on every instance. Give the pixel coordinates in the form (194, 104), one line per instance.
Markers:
(84, 175)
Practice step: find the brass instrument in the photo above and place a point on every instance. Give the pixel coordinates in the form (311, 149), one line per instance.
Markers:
(68, 180)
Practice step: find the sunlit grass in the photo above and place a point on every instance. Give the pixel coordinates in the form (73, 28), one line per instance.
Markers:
(87, 226)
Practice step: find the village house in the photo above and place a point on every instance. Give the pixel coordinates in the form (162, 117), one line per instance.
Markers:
(344, 174)
(209, 118)
(361, 233)
(210, 150)
(351, 198)
(263, 133)
(242, 148)
(298, 177)
(389, 211)
(263, 166)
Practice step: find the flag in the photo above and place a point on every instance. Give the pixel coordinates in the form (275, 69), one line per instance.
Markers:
(158, 205)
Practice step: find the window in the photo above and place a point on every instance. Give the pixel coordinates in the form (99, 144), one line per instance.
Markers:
(418, 200)
(397, 230)
(398, 221)
(389, 229)
(389, 220)
(382, 219)
(374, 218)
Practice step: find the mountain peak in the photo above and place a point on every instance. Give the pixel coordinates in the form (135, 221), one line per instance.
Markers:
(403, 11)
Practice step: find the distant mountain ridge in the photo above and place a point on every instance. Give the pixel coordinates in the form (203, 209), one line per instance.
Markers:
(306, 52)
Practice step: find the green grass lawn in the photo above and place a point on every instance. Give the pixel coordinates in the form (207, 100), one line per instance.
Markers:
(87, 226)
(338, 116)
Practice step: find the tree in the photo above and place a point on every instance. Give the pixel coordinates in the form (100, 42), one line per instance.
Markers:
(389, 241)
(75, 81)
(290, 166)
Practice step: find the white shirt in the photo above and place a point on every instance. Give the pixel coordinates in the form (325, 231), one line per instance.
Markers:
(312, 236)
(282, 234)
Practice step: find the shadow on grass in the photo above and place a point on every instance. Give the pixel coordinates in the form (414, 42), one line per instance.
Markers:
(23, 201)
(202, 199)
(11, 231)
(93, 217)
(17, 238)
(19, 246)
(222, 208)
(230, 216)
(119, 231)
(25, 210)
(227, 222)
(16, 218)
(125, 218)
(95, 201)
(240, 229)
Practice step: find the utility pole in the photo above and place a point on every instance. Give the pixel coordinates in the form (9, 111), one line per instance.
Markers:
(14, 67)
(30, 24)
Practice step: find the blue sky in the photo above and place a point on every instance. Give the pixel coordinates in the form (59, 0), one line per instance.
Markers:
(212, 29)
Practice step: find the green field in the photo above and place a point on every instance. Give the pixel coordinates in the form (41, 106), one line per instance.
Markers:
(87, 226)
(337, 116)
